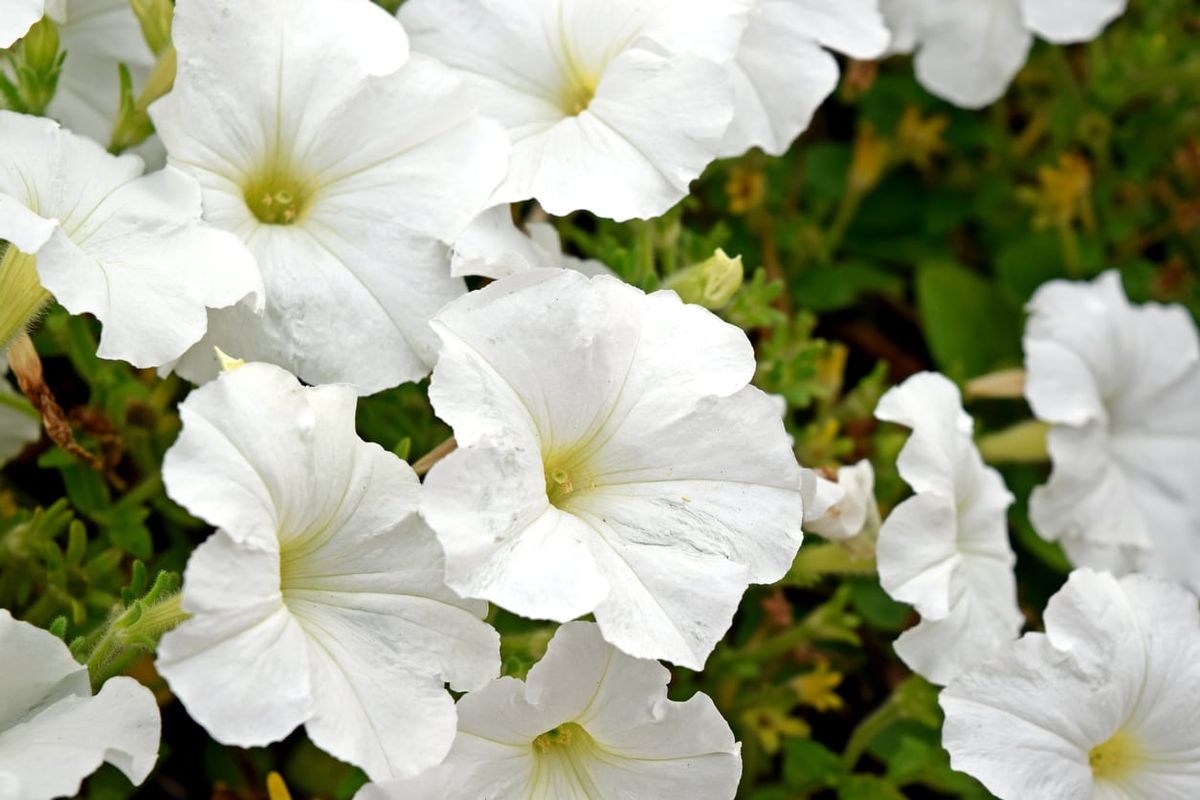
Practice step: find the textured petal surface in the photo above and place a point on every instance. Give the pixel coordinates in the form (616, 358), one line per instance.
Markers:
(945, 550)
(240, 664)
(349, 579)
(53, 732)
(1119, 384)
(971, 50)
(385, 152)
(635, 399)
(1117, 658)
(1069, 21)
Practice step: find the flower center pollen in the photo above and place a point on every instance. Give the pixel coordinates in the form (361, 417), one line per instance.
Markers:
(1117, 758)
(277, 197)
(578, 93)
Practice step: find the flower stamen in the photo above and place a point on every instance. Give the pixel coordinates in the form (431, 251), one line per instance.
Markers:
(1116, 758)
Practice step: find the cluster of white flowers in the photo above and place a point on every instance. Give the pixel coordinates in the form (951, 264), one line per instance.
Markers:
(333, 173)
(1105, 703)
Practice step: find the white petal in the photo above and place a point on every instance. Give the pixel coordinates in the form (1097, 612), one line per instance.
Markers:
(240, 664)
(1070, 21)
(971, 51)
(660, 108)
(50, 753)
(53, 732)
(493, 246)
(853, 27)
(18, 426)
(918, 553)
(655, 124)
(37, 667)
(780, 77)
(1117, 657)
(932, 406)
(1119, 384)
(503, 541)
(903, 18)
(148, 269)
(819, 493)
(17, 18)
(854, 511)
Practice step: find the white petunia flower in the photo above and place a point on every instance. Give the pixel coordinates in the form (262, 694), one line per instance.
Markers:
(20, 425)
(341, 161)
(782, 73)
(1120, 386)
(854, 509)
(1105, 704)
(589, 721)
(320, 599)
(494, 247)
(614, 106)
(945, 550)
(612, 460)
(17, 17)
(53, 732)
(106, 240)
(968, 51)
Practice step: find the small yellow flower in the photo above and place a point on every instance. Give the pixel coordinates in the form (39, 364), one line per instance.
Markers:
(1063, 193)
(770, 725)
(919, 138)
(871, 158)
(817, 689)
(746, 188)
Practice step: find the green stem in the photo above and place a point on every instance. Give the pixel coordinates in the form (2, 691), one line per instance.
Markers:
(842, 220)
(1072, 258)
(1023, 443)
(131, 634)
(867, 730)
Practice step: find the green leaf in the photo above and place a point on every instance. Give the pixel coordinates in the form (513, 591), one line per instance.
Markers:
(809, 766)
(972, 326)
(868, 787)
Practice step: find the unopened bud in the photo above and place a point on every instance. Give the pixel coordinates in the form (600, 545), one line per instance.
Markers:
(712, 283)
(40, 47)
(154, 16)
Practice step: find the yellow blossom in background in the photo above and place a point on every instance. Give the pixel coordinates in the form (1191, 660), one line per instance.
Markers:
(1063, 194)
(872, 154)
(746, 188)
(770, 725)
(818, 689)
(919, 138)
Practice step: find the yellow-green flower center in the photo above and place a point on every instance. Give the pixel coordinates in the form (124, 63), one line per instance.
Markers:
(569, 735)
(277, 196)
(578, 92)
(567, 473)
(1117, 758)
(22, 296)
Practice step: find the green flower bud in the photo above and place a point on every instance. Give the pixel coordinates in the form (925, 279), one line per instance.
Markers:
(712, 283)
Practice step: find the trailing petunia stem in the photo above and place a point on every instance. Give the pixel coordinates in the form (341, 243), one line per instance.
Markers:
(426, 462)
(133, 631)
